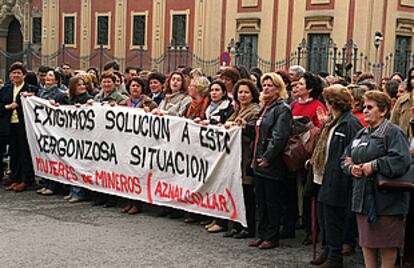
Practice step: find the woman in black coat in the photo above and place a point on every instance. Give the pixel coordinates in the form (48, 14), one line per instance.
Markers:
(12, 125)
(335, 186)
(272, 131)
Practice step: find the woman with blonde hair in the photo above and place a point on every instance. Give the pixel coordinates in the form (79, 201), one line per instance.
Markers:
(271, 133)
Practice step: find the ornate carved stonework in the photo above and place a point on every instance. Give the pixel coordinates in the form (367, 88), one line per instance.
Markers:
(13, 8)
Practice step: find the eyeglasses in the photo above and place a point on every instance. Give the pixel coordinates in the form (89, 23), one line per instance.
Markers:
(368, 107)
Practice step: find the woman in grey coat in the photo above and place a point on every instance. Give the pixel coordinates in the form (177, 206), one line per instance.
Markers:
(380, 148)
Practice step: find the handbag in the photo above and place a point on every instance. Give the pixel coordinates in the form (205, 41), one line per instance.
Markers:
(404, 183)
(300, 144)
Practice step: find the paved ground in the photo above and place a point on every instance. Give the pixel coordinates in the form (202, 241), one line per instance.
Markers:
(38, 231)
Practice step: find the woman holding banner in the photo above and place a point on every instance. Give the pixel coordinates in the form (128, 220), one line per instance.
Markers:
(198, 91)
(176, 99)
(174, 103)
(271, 133)
(217, 112)
(247, 98)
(109, 95)
(55, 95)
(78, 94)
(137, 99)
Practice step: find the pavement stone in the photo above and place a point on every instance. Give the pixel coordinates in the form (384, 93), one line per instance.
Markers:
(40, 231)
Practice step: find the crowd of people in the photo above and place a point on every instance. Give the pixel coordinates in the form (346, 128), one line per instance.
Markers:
(358, 129)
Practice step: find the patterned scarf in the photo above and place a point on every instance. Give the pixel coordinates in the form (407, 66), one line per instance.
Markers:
(318, 159)
(197, 109)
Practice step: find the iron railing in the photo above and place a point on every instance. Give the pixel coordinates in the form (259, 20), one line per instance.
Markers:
(329, 59)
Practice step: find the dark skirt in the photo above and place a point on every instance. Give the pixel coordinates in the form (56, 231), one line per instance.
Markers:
(388, 232)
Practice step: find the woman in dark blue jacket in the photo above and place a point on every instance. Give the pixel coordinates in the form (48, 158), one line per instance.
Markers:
(380, 148)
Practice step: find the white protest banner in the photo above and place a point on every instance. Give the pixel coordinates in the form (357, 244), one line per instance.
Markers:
(162, 160)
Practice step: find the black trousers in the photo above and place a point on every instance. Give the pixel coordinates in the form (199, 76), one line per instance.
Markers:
(331, 223)
(290, 204)
(21, 161)
(269, 205)
(250, 205)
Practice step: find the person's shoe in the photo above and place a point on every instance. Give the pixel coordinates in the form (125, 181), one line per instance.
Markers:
(41, 190)
(133, 210)
(231, 233)
(256, 243)
(11, 186)
(210, 225)
(332, 264)
(287, 235)
(347, 250)
(75, 200)
(215, 229)
(20, 187)
(243, 234)
(126, 208)
(321, 259)
(268, 245)
(68, 197)
(48, 192)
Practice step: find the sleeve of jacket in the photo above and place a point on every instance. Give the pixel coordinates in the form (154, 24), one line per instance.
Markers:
(347, 153)
(280, 134)
(398, 158)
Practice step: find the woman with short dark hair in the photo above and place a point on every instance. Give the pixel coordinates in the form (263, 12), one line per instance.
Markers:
(247, 98)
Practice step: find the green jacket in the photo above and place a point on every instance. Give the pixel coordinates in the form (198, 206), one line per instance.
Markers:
(114, 95)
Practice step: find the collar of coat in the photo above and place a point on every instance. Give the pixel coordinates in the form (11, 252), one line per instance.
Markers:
(380, 131)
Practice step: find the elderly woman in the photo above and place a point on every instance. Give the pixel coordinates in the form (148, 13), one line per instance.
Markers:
(380, 148)
(335, 186)
(272, 131)
(247, 98)
(198, 91)
(176, 98)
